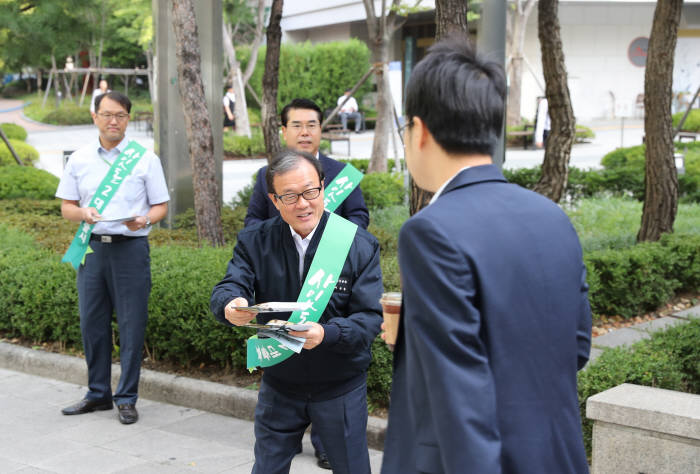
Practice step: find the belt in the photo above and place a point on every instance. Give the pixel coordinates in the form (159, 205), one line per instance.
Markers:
(111, 239)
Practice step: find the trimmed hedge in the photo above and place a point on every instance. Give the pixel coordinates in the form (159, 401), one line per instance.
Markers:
(25, 152)
(26, 182)
(670, 360)
(181, 328)
(339, 64)
(382, 189)
(68, 114)
(14, 131)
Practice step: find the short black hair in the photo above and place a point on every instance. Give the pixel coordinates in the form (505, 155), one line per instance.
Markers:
(118, 97)
(287, 160)
(460, 96)
(300, 103)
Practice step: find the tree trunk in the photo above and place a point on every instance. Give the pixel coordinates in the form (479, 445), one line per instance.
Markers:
(381, 28)
(257, 41)
(555, 168)
(385, 117)
(517, 24)
(234, 78)
(450, 19)
(661, 194)
(270, 125)
(207, 200)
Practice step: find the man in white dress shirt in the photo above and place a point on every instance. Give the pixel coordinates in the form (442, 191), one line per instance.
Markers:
(115, 273)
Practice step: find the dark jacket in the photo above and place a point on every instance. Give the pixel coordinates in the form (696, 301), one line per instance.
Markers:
(353, 208)
(265, 267)
(495, 323)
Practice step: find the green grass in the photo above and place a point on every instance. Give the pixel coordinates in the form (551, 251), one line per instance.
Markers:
(601, 223)
(613, 223)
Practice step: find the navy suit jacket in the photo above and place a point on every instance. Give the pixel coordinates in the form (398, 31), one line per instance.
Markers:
(495, 324)
(353, 208)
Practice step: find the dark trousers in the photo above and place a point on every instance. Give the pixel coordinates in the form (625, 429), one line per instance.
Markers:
(341, 423)
(115, 277)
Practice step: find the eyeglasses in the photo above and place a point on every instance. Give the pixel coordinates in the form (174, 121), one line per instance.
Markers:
(298, 126)
(108, 117)
(291, 198)
(406, 125)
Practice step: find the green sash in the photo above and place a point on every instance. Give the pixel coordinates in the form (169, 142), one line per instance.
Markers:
(319, 285)
(122, 167)
(341, 187)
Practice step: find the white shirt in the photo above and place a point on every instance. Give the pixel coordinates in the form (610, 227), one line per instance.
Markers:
(350, 106)
(444, 185)
(302, 244)
(229, 98)
(144, 187)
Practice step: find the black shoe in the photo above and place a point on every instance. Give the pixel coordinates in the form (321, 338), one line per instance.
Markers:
(87, 406)
(322, 461)
(128, 414)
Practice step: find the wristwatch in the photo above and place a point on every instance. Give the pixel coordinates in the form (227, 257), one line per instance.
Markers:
(148, 220)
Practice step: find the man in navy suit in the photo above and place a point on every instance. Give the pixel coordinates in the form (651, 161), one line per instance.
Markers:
(301, 128)
(495, 319)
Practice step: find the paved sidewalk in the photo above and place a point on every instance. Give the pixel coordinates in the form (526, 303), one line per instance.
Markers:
(36, 438)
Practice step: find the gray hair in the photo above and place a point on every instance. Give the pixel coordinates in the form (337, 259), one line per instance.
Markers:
(287, 160)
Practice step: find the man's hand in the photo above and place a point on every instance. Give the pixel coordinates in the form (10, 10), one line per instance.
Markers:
(137, 223)
(383, 336)
(89, 215)
(314, 335)
(238, 317)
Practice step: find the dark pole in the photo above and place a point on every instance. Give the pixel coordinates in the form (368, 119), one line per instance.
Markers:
(491, 41)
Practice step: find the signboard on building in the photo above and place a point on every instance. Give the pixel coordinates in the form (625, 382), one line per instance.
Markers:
(637, 51)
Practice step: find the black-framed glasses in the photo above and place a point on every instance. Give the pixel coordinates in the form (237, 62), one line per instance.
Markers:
(292, 198)
(406, 125)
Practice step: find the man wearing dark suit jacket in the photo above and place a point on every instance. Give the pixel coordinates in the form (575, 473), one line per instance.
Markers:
(301, 128)
(495, 318)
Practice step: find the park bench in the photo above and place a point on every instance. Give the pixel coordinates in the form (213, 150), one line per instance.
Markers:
(526, 134)
(336, 137)
(691, 136)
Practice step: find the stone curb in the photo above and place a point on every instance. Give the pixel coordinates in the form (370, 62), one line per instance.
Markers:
(185, 391)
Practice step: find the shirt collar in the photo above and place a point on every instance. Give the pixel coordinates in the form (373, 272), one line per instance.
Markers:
(438, 193)
(120, 147)
(306, 239)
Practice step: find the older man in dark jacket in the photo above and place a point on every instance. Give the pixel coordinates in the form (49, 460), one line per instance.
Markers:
(326, 383)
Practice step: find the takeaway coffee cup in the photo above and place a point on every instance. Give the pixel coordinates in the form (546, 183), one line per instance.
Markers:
(391, 306)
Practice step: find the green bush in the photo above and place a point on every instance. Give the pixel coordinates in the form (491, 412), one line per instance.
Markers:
(670, 360)
(240, 145)
(25, 152)
(231, 220)
(692, 122)
(583, 133)
(340, 64)
(26, 182)
(68, 114)
(14, 131)
(360, 163)
(382, 189)
(629, 281)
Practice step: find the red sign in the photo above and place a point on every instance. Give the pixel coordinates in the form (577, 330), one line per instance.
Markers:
(637, 51)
